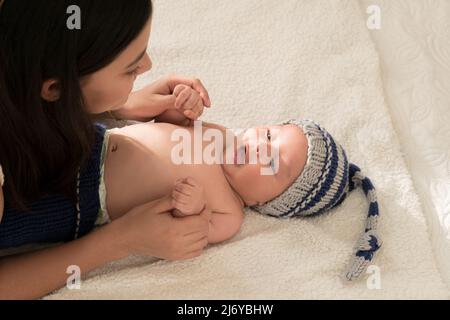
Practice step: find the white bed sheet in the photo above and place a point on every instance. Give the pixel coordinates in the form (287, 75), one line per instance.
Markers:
(337, 73)
(264, 61)
(414, 47)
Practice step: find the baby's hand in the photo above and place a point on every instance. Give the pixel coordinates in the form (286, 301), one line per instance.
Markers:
(188, 197)
(188, 102)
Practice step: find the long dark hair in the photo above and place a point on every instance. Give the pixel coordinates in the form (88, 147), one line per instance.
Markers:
(42, 144)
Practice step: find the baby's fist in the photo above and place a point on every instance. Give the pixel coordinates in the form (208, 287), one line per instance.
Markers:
(188, 197)
(188, 101)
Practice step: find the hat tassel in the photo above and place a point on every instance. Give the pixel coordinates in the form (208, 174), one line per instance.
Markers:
(369, 242)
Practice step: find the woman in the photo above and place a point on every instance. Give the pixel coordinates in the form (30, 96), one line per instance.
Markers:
(53, 82)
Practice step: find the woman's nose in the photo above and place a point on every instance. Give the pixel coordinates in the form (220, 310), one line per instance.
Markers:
(148, 64)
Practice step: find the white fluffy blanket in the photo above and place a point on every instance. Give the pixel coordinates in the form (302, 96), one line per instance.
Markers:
(262, 62)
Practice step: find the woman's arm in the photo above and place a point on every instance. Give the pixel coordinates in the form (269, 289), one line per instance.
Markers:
(186, 96)
(148, 230)
(34, 275)
(143, 105)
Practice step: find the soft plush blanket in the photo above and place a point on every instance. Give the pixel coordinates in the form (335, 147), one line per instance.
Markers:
(264, 62)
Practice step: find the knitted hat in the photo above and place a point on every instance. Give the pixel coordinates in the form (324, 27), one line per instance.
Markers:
(324, 183)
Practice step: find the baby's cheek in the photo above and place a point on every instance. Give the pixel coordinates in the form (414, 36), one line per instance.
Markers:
(252, 175)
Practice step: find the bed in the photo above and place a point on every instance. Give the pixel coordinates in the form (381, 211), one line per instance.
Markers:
(385, 96)
(414, 47)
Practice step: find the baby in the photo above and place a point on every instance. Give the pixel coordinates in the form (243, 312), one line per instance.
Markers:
(306, 172)
(291, 169)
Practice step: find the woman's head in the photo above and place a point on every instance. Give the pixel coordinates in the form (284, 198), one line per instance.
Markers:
(280, 153)
(52, 78)
(109, 88)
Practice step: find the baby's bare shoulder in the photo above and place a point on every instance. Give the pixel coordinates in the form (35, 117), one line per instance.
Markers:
(218, 192)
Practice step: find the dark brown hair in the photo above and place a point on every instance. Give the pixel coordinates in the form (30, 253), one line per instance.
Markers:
(42, 144)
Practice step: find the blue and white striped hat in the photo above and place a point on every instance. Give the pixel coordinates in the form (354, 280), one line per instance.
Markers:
(324, 183)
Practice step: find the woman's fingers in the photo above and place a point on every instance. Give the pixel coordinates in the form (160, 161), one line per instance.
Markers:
(192, 255)
(190, 114)
(196, 235)
(198, 244)
(195, 223)
(162, 205)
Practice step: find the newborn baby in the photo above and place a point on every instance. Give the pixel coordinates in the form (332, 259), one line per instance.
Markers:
(140, 167)
(292, 169)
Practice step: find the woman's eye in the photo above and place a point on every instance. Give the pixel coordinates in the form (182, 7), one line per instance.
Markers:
(133, 72)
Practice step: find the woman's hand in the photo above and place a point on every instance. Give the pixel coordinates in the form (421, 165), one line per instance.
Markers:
(151, 230)
(159, 97)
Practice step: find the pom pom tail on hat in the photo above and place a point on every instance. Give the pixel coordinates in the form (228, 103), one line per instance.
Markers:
(369, 242)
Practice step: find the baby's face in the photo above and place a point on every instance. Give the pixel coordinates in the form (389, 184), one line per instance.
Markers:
(286, 143)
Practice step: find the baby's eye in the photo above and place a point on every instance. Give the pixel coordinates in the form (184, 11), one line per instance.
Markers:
(272, 164)
(269, 135)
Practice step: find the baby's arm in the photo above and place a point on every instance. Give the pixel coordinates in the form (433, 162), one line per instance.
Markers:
(224, 225)
(189, 199)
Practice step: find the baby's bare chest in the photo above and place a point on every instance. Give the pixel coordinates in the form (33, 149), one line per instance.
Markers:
(141, 166)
